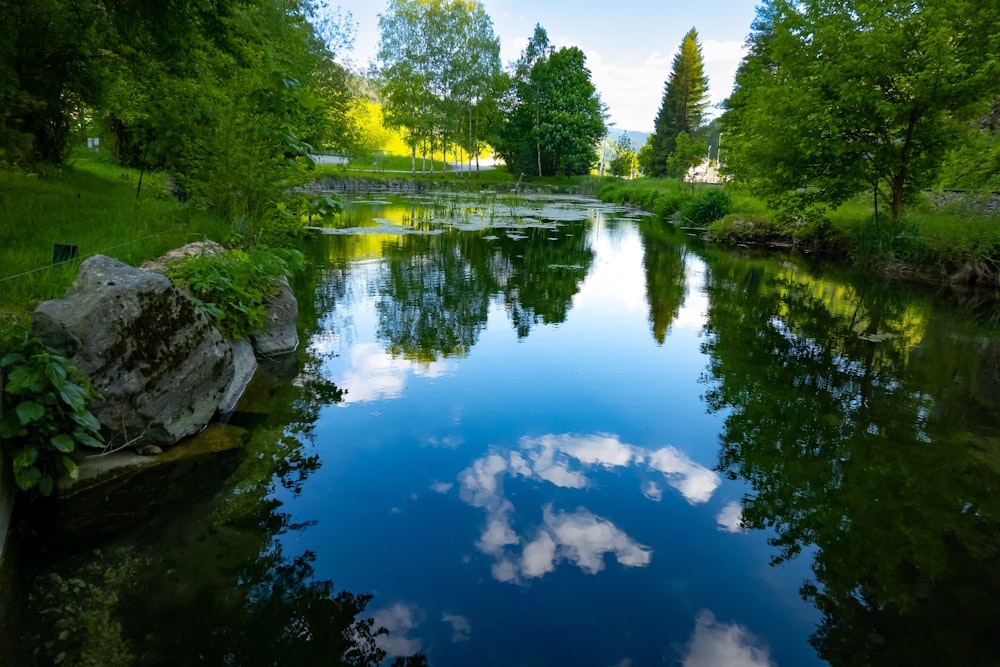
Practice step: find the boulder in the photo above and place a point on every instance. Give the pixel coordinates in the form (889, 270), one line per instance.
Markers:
(244, 367)
(278, 334)
(162, 263)
(160, 366)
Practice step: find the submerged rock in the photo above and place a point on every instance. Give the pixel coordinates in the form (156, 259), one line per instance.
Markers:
(160, 366)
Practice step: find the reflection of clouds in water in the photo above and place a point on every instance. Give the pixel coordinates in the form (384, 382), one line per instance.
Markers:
(461, 627)
(730, 518)
(584, 538)
(717, 644)
(398, 619)
(375, 375)
(695, 482)
(652, 491)
(448, 442)
(580, 537)
(480, 484)
(601, 449)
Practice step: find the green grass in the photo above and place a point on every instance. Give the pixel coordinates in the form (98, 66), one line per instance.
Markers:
(92, 204)
(398, 168)
(940, 237)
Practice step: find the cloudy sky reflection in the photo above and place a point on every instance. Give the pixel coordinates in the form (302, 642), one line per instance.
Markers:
(375, 374)
(715, 644)
(578, 537)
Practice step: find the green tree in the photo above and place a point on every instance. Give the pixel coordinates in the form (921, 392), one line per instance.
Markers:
(554, 116)
(439, 61)
(686, 154)
(685, 97)
(835, 98)
(623, 160)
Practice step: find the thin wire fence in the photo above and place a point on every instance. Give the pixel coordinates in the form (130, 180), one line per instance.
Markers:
(97, 252)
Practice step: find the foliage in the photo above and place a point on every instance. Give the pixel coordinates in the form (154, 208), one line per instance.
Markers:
(623, 161)
(662, 197)
(833, 99)
(709, 207)
(43, 413)
(973, 162)
(554, 117)
(685, 97)
(231, 288)
(227, 95)
(440, 68)
(686, 154)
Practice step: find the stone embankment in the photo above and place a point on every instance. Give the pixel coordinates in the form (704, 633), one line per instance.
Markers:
(388, 184)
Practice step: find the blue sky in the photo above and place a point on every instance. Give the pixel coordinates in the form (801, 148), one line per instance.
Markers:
(629, 44)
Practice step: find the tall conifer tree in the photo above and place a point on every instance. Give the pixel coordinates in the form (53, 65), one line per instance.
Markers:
(685, 97)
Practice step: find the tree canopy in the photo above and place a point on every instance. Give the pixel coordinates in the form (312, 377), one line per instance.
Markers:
(440, 67)
(685, 97)
(225, 94)
(554, 117)
(837, 97)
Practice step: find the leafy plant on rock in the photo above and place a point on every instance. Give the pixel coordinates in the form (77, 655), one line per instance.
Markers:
(43, 414)
(230, 289)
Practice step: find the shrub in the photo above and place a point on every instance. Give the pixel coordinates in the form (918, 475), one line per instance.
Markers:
(709, 207)
(43, 414)
(231, 288)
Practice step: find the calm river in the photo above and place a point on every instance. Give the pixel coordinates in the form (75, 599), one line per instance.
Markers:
(552, 432)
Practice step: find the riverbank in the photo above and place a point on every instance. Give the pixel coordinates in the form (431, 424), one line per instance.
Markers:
(944, 238)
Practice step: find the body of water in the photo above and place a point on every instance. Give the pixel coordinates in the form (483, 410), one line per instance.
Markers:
(547, 431)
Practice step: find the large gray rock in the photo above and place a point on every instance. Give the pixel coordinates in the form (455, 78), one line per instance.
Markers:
(197, 248)
(244, 367)
(160, 366)
(278, 334)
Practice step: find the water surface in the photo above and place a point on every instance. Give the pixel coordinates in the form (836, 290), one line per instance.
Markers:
(548, 431)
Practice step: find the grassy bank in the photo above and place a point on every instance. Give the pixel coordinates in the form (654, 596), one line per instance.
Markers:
(93, 205)
(398, 167)
(941, 237)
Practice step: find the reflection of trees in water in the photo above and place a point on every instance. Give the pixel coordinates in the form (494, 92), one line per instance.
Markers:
(208, 581)
(545, 269)
(435, 295)
(866, 425)
(664, 262)
(436, 290)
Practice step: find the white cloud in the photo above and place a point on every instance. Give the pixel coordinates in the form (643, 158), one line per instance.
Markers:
(652, 491)
(601, 448)
(730, 518)
(376, 375)
(585, 538)
(717, 644)
(695, 482)
(579, 537)
(441, 487)
(461, 627)
(480, 484)
(498, 534)
(539, 556)
(399, 620)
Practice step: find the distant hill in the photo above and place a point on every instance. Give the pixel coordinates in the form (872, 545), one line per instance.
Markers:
(638, 139)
